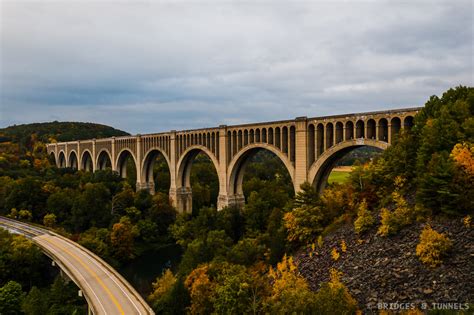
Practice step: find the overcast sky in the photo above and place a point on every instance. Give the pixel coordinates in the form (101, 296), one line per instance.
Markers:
(149, 66)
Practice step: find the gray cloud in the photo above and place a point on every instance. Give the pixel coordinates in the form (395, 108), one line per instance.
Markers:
(155, 66)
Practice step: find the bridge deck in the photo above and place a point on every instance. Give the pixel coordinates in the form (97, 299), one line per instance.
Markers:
(105, 290)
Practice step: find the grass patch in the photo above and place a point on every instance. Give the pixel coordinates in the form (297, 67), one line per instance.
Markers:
(338, 176)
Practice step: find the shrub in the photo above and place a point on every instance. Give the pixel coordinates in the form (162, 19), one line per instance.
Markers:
(335, 254)
(393, 221)
(334, 298)
(389, 223)
(25, 215)
(432, 246)
(303, 223)
(49, 220)
(290, 293)
(364, 220)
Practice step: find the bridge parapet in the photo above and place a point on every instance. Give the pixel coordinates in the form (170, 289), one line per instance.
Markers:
(308, 147)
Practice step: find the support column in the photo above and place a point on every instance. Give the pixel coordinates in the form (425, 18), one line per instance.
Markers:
(56, 157)
(174, 194)
(141, 184)
(301, 153)
(94, 157)
(226, 198)
(79, 156)
(114, 167)
(181, 196)
(66, 155)
(389, 127)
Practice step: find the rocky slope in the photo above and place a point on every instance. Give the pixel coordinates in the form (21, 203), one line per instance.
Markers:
(386, 269)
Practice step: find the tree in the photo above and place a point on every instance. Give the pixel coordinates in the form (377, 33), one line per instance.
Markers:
(49, 220)
(201, 290)
(290, 292)
(365, 218)
(36, 302)
(11, 296)
(162, 286)
(122, 239)
(91, 207)
(334, 298)
(234, 291)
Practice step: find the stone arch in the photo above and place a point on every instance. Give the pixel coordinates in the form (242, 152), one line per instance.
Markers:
(147, 167)
(183, 178)
(104, 160)
(319, 172)
(62, 159)
(120, 164)
(236, 168)
(73, 161)
(86, 161)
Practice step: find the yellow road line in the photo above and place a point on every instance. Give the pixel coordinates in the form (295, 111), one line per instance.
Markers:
(117, 304)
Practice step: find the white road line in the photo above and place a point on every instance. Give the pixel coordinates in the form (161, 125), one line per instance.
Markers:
(110, 276)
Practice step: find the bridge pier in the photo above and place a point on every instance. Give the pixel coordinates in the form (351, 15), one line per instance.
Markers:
(182, 199)
(148, 186)
(230, 201)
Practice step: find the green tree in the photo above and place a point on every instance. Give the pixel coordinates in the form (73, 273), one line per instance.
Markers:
(11, 296)
(122, 239)
(36, 302)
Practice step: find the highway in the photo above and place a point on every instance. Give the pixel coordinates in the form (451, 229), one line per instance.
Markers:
(105, 290)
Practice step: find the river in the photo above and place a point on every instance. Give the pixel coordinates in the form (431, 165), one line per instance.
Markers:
(142, 271)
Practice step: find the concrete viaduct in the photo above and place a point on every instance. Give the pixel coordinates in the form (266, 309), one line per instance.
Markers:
(308, 147)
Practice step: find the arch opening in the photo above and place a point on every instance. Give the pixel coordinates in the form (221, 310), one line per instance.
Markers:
(156, 172)
(73, 160)
(197, 182)
(258, 163)
(339, 132)
(320, 139)
(395, 126)
(408, 122)
(62, 160)
(360, 132)
(329, 135)
(349, 130)
(383, 130)
(104, 161)
(52, 159)
(86, 162)
(371, 129)
(336, 168)
(127, 168)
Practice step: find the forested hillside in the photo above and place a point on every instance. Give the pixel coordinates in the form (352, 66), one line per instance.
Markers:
(26, 135)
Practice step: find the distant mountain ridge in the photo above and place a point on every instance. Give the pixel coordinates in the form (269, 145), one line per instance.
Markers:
(26, 134)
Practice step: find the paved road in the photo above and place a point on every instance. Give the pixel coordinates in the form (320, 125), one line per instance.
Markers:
(105, 290)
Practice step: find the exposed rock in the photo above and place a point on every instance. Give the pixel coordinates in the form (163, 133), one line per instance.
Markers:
(387, 270)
